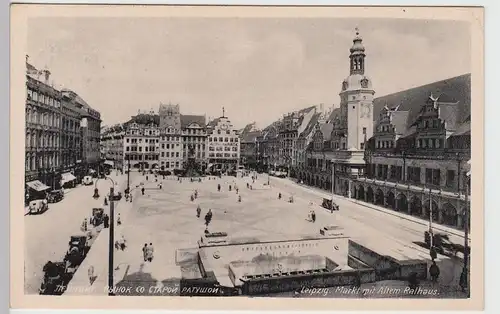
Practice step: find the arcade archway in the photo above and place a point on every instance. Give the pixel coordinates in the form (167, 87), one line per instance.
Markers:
(361, 193)
(401, 203)
(415, 206)
(427, 210)
(449, 215)
(369, 195)
(390, 199)
(379, 198)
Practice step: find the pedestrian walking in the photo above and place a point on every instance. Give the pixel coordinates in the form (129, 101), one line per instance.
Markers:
(150, 252)
(106, 221)
(119, 220)
(218, 187)
(144, 251)
(147, 178)
(160, 185)
(313, 216)
(91, 274)
(239, 198)
(434, 271)
(142, 190)
(198, 211)
(130, 198)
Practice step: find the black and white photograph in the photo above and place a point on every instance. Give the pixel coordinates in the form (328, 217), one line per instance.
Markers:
(246, 156)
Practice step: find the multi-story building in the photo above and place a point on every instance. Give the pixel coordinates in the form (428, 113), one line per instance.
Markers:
(291, 126)
(249, 146)
(90, 133)
(171, 157)
(70, 140)
(412, 156)
(270, 145)
(341, 160)
(223, 143)
(194, 135)
(417, 160)
(112, 151)
(142, 142)
(43, 131)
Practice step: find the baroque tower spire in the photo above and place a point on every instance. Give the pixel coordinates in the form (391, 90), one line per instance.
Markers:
(357, 55)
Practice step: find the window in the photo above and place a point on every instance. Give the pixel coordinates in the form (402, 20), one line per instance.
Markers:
(226, 139)
(450, 178)
(140, 149)
(177, 154)
(364, 131)
(220, 139)
(218, 131)
(362, 145)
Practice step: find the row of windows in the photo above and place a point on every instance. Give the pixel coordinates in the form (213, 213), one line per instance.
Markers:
(194, 132)
(43, 140)
(227, 132)
(146, 149)
(385, 144)
(168, 155)
(170, 165)
(434, 123)
(225, 155)
(171, 138)
(226, 148)
(429, 143)
(432, 176)
(33, 163)
(146, 140)
(42, 98)
(224, 139)
(139, 157)
(43, 118)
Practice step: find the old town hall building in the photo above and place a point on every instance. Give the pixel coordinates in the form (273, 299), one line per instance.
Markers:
(408, 151)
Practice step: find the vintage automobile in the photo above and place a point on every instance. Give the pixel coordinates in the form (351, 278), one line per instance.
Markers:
(87, 180)
(97, 216)
(38, 206)
(115, 196)
(329, 204)
(55, 196)
(54, 278)
(441, 242)
(78, 248)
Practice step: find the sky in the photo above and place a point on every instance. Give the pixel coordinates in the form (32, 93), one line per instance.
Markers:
(256, 68)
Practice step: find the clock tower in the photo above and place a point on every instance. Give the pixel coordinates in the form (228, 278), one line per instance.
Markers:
(356, 100)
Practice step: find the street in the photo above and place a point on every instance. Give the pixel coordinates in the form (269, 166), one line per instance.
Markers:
(167, 219)
(47, 235)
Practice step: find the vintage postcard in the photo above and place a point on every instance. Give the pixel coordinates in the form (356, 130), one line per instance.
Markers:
(231, 157)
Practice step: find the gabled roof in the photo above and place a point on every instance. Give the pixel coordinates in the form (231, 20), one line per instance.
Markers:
(326, 129)
(186, 120)
(400, 121)
(335, 113)
(453, 89)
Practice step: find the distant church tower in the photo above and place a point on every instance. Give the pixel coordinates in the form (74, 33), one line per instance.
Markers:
(356, 100)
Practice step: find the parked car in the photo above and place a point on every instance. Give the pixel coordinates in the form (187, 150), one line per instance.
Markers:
(87, 180)
(329, 204)
(55, 196)
(38, 206)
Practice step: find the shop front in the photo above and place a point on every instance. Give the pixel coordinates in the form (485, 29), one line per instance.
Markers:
(68, 180)
(35, 190)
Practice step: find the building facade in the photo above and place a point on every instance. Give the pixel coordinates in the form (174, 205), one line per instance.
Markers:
(171, 157)
(412, 156)
(194, 136)
(249, 146)
(142, 142)
(223, 143)
(90, 133)
(43, 166)
(112, 149)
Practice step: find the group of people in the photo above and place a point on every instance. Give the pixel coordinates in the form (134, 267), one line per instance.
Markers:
(148, 252)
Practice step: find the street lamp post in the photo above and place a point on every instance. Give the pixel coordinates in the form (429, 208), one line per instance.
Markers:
(111, 232)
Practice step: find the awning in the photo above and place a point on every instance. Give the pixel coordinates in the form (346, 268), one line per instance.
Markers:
(37, 185)
(67, 177)
(109, 163)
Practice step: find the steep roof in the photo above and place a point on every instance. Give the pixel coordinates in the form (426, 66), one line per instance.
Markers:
(144, 119)
(463, 129)
(188, 119)
(451, 90)
(311, 125)
(335, 113)
(250, 136)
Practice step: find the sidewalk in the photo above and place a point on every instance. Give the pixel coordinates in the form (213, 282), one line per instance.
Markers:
(97, 257)
(416, 220)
